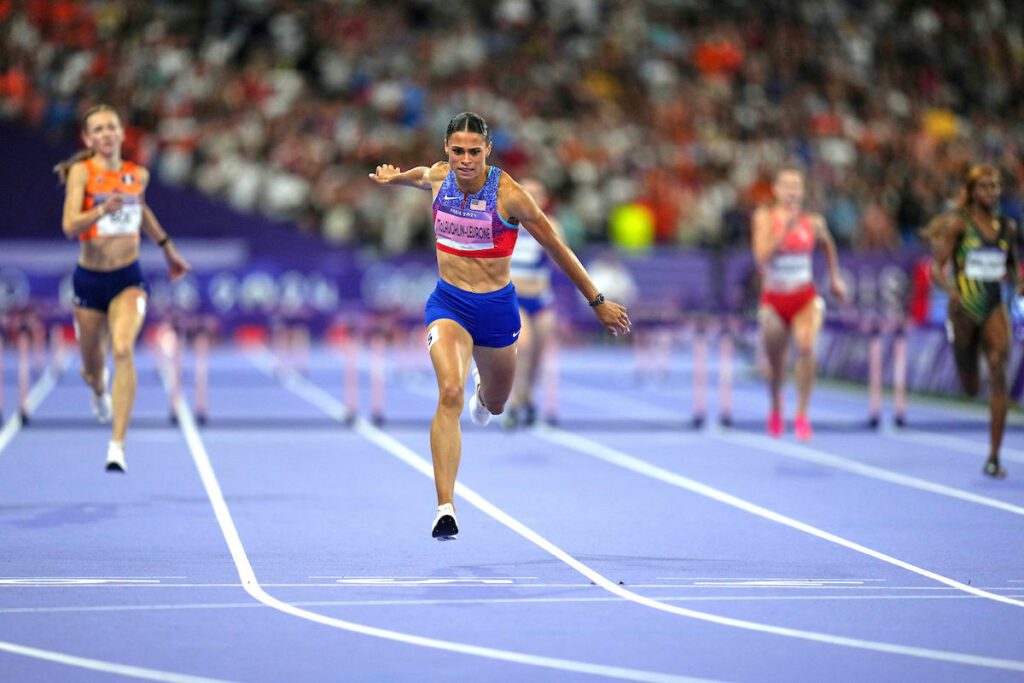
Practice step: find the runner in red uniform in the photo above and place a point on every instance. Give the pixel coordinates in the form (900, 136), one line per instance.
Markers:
(783, 242)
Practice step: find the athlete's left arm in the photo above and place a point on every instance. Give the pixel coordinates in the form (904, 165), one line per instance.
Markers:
(835, 278)
(176, 264)
(517, 203)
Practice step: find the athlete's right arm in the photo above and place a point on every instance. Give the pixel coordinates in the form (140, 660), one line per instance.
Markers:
(945, 232)
(420, 177)
(75, 220)
(762, 241)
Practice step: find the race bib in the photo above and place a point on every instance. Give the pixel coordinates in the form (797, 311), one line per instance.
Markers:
(125, 221)
(789, 271)
(985, 265)
(463, 229)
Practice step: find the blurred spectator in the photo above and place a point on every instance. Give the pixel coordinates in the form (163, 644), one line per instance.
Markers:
(282, 107)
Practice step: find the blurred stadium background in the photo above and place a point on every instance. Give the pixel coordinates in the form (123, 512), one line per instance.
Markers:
(656, 124)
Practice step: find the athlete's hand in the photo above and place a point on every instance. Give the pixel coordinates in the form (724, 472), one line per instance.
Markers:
(838, 288)
(955, 302)
(113, 203)
(176, 265)
(613, 317)
(384, 174)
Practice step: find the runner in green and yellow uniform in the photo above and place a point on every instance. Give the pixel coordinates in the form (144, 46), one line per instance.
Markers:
(981, 247)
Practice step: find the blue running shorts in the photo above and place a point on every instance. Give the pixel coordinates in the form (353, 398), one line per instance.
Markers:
(96, 288)
(492, 318)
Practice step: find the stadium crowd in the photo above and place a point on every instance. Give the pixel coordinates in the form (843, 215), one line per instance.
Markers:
(684, 107)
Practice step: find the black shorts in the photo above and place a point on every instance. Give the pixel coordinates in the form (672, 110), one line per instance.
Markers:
(97, 288)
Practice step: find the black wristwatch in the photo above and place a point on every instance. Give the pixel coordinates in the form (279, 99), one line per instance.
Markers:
(598, 300)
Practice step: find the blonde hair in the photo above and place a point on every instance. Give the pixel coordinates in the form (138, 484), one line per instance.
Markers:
(932, 232)
(974, 174)
(62, 168)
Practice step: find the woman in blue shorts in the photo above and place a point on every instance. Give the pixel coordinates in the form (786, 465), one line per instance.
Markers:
(105, 210)
(473, 314)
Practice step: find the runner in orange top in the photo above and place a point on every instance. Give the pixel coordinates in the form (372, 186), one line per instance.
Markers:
(783, 243)
(105, 209)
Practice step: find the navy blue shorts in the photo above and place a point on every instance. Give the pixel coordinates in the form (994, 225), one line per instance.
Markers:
(492, 319)
(97, 288)
(535, 304)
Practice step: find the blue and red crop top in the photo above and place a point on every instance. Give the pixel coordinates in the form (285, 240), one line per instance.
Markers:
(470, 225)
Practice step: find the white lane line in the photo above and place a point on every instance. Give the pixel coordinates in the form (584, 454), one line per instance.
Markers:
(39, 391)
(248, 577)
(499, 586)
(813, 455)
(43, 386)
(616, 457)
(328, 404)
(105, 667)
(759, 578)
(944, 441)
(950, 442)
(420, 602)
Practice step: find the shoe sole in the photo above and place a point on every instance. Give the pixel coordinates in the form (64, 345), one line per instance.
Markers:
(114, 467)
(445, 527)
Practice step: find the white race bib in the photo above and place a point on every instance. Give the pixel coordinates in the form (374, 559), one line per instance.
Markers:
(985, 265)
(789, 271)
(125, 221)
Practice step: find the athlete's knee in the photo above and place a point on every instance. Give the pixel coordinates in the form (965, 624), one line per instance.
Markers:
(970, 383)
(122, 348)
(451, 395)
(805, 345)
(495, 406)
(997, 380)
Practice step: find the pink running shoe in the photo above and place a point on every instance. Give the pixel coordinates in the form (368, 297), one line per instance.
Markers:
(802, 428)
(775, 424)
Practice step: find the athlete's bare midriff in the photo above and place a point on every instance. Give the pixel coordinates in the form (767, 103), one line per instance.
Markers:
(480, 275)
(109, 253)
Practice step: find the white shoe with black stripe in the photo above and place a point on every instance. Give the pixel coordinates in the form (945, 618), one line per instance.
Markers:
(115, 457)
(445, 525)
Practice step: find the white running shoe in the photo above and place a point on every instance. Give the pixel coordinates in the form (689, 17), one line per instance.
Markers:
(445, 525)
(477, 410)
(102, 407)
(115, 457)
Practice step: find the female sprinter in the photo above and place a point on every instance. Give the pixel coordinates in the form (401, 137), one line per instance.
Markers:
(981, 245)
(473, 312)
(783, 243)
(105, 209)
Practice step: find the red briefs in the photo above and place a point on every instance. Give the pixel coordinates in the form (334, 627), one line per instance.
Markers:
(788, 304)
